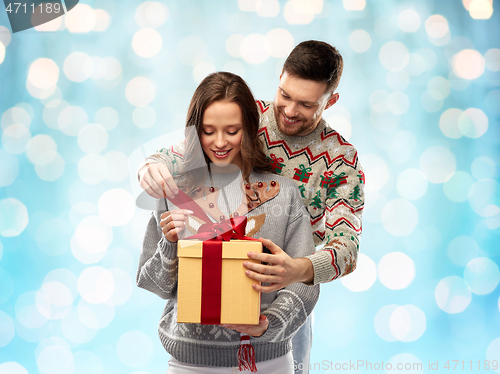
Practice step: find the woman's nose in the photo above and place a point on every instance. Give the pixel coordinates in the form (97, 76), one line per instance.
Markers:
(220, 141)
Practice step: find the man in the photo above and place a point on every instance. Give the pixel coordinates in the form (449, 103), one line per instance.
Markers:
(301, 145)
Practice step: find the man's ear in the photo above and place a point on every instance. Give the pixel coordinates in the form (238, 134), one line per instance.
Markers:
(333, 99)
(281, 74)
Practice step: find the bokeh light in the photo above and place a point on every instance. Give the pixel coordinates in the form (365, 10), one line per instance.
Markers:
(396, 270)
(458, 186)
(482, 275)
(409, 20)
(453, 294)
(360, 41)
(147, 42)
(438, 164)
(13, 217)
(394, 56)
(96, 285)
(361, 280)
(140, 91)
(468, 64)
(81, 19)
(134, 348)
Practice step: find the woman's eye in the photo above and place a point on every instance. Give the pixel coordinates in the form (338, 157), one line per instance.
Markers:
(207, 132)
(233, 133)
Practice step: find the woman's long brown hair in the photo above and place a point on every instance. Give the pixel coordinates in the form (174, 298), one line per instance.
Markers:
(222, 86)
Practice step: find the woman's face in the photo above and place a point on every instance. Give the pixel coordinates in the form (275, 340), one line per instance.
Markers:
(222, 130)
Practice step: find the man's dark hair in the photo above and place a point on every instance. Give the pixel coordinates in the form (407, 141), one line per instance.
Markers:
(317, 61)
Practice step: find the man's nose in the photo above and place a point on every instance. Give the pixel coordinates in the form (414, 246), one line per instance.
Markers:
(291, 110)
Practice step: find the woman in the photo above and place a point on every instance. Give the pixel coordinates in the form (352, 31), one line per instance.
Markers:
(224, 117)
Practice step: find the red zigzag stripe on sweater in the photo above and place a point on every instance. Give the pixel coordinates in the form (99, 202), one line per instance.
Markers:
(336, 223)
(335, 206)
(306, 150)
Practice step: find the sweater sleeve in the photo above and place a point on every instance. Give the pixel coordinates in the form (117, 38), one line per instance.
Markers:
(344, 202)
(293, 304)
(171, 156)
(158, 260)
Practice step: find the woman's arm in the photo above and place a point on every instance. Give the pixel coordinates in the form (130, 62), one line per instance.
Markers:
(158, 260)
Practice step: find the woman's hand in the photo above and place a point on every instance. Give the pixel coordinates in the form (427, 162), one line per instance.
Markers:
(173, 222)
(156, 180)
(252, 330)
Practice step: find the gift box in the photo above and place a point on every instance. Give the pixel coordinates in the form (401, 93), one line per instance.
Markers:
(239, 303)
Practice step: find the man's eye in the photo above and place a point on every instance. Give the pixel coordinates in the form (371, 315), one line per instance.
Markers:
(306, 105)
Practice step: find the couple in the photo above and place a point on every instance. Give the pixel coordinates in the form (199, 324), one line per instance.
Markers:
(320, 184)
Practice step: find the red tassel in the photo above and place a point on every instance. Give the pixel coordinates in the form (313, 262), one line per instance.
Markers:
(246, 355)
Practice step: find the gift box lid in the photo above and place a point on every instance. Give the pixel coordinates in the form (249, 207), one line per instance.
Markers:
(234, 249)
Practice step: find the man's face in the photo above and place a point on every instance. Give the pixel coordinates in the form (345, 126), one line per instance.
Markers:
(299, 104)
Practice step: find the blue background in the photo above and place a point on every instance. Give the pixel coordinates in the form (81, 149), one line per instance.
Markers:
(426, 286)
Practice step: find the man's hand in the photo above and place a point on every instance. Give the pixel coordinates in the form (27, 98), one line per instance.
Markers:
(173, 222)
(252, 330)
(281, 271)
(156, 180)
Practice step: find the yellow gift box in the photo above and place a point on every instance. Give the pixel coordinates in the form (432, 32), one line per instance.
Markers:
(240, 303)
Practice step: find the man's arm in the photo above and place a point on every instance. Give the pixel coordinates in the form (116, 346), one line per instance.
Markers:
(338, 231)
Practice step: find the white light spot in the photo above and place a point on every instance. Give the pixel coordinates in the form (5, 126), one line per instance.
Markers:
(144, 117)
(107, 117)
(409, 20)
(92, 138)
(382, 324)
(51, 171)
(96, 285)
(95, 316)
(268, 8)
(55, 359)
(394, 56)
(2, 52)
(398, 103)
(281, 42)
(9, 168)
(482, 275)
(7, 288)
(102, 20)
(452, 294)
(72, 119)
(42, 150)
(473, 123)
(363, 277)
(341, 125)
(63, 276)
(124, 287)
(398, 80)
(396, 270)
(438, 164)
(13, 217)
(458, 186)
(87, 362)
(492, 59)
(399, 217)
(247, 5)
(201, 70)
(189, 48)
(117, 164)
(15, 139)
(5, 36)
(360, 41)
(255, 49)
(411, 184)
(483, 168)
(116, 207)
(436, 26)
(15, 116)
(151, 14)
(91, 239)
(43, 73)
(483, 195)
(448, 123)
(140, 91)
(492, 350)
(147, 43)
(354, 4)
(7, 330)
(233, 45)
(81, 19)
(407, 323)
(92, 168)
(431, 101)
(32, 312)
(462, 249)
(75, 330)
(12, 367)
(376, 171)
(468, 64)
(480, 9)
(134, 348)
(440, 86)
(78, 66)
(54, 300)
(296, 14)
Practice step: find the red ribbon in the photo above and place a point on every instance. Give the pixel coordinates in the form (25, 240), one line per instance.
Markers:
(212, 234)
